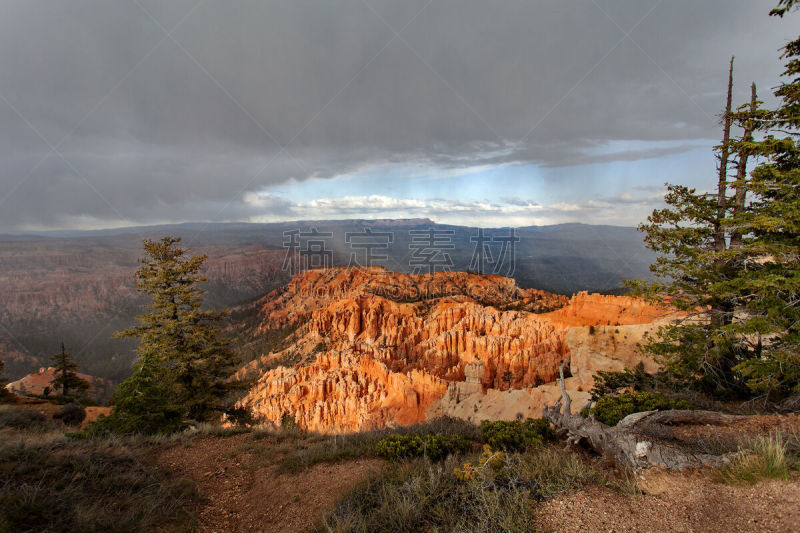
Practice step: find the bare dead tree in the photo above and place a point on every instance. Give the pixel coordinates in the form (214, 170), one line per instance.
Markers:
(724, 154)
(741, 167)
(627, 443)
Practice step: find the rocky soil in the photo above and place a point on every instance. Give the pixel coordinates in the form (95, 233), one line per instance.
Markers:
(244, 491)
(688, 502)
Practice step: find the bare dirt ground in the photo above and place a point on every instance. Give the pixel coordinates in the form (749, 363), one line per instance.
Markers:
(48, 408)
(745, 427)
(244, 491)
(689, 502)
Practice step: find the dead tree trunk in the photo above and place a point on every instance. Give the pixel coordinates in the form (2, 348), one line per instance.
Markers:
(741, 169)
(625, 442)
(724, 153)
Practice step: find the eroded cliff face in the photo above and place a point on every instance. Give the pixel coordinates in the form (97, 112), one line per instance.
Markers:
(344, 390)
(313, 289)
(374, 348)
(586, 309)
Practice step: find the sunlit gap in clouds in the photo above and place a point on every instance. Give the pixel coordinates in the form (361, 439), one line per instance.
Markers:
(619, 183)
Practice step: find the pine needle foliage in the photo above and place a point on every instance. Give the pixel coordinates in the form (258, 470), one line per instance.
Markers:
(184, 360)
(731, 258)
(65, 378)
(5, 395)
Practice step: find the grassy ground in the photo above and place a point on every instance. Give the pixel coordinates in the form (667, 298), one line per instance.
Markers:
(50, 482)
(771, 456)
(499, 494)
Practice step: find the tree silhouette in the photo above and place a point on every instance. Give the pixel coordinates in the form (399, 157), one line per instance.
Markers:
(65, 377)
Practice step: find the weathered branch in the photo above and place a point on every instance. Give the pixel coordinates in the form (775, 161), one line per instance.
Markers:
(674, 416)
(624, 442)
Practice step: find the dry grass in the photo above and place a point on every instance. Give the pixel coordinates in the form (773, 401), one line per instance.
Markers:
(52, 482)
(15, 417)
(764, 457)
(420, 495)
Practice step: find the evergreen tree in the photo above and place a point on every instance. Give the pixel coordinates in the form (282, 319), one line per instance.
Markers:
(144, 403)
(4, 393)
(184, 362)
(733, 262)
(65, 377)
(770, 250)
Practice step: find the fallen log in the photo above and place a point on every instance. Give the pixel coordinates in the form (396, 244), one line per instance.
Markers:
(625, 442)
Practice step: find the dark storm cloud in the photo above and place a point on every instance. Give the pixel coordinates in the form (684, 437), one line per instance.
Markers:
(242, 95)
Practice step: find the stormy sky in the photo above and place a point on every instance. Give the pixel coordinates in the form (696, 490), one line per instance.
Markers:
(494, 113)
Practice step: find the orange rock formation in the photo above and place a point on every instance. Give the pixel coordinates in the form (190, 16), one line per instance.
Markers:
(377, 348)
(586, 309)
(35, 384)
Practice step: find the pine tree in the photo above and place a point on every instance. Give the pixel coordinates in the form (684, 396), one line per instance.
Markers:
(65, 377)
(183, 355)
(4, 393)
(732, 261)
(770, 249)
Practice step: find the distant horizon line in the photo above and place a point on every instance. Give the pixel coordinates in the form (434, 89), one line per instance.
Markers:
(146, 227)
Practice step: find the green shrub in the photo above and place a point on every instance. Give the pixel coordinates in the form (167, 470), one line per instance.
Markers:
(71, 414)
(611, 409)
(500, 493)
(141, 422)
(420, 496)
(516, 435)
(434, 447)
(607, 383)
(239, 416)
(339, 447)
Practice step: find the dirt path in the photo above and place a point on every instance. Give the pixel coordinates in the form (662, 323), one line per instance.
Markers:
(244, 492)
(690, 502)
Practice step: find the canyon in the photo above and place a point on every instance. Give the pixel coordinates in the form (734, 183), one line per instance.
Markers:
(78, 286)
(81, 292)
(369, 348)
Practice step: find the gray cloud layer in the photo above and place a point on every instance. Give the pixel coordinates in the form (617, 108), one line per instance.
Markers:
(242, 95)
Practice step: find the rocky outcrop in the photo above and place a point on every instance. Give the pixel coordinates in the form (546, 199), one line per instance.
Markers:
(35, 384)
(586, 309)
(514, 348)
(590, 349)
(608, 348)
(462, 401)
(313, 289)
(374, 348)
(343, 390)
